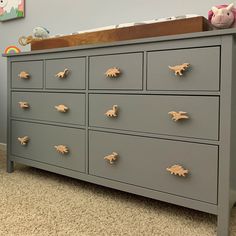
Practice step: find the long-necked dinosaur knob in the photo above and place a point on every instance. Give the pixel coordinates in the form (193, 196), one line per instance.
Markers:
(112, 112)
(62, 74)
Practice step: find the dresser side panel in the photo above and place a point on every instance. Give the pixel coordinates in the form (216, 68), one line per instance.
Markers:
(233, 129)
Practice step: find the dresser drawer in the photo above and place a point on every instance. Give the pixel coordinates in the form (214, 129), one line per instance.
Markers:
(130, 67)
(65, 73)
(28, 74)
(151, 113)
(202, 73)
(144, 161)
(57, 107)
(42, 140)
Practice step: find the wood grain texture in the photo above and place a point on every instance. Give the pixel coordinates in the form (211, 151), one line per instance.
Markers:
(181, 26)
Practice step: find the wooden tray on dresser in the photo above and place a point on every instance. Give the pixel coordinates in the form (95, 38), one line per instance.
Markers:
(180, 26)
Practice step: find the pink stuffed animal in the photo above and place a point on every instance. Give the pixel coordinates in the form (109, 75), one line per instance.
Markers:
(223, 16)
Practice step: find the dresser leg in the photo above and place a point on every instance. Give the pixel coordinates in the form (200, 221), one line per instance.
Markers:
(10, 166)
(223, 224)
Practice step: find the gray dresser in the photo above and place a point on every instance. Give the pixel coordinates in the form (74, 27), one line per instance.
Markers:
(154, 117)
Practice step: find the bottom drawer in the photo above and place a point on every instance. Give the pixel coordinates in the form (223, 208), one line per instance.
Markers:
(144, 161)
(43, 144)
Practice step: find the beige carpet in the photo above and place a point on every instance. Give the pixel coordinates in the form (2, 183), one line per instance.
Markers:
(36, 202)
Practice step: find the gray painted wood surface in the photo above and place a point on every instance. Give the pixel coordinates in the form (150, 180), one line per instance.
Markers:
(130, 65)
(75, 78)
(35, 71)
(202, 74)
(211, 102)
(150, 114)
(136, 155)
(42, 107)
(42, 142)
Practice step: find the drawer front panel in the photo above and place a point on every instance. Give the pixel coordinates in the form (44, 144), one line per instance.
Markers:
(73, 79)
(130, 66)
(202, 74)
(42, 142)
(144, 162)
(34, 69)
(150, 114)
(44, 106)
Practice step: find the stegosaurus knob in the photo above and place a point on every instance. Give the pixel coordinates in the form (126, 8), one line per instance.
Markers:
(177, 170)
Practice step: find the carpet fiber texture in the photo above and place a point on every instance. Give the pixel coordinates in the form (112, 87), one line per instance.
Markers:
(36, 202)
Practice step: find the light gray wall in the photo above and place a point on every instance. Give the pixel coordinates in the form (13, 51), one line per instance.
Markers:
(64, 17)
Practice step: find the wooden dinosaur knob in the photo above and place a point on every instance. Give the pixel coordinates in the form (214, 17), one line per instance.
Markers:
(179, 69)
(177, 170)
(113, 72)
(62, 108)
(24, 75)
(178, 115)
(62, 74)
(24, 105)
(23, 140)
(111, 158)
(62, 149)
(113, 112)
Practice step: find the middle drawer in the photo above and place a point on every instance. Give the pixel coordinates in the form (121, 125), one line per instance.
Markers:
(187, 116)
(56, 107)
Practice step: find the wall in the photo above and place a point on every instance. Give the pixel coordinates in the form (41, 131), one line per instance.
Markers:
(64, 17)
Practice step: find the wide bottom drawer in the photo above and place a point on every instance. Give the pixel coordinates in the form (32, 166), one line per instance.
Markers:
(148, 162)
(54, 145)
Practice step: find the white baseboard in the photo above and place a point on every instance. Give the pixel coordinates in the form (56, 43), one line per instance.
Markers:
(3, 147)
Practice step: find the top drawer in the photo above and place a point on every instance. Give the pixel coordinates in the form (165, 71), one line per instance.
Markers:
(129, 65)
(202, 73)
(65, 73)
(27, 74)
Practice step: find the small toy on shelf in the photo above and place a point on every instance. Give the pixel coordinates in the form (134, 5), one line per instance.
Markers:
(39, 33)
(11, 49)
(222, 16)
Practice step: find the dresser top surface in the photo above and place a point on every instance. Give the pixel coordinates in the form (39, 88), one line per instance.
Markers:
(212, 33)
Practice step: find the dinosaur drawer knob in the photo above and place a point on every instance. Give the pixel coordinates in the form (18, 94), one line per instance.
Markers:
(23, 140)
(24, 75)
(62, 149)
(62, 108)
(179, 69)
(178, 115)
(111, 158)
(24, 105)
(62, 74)
(113, 112)
(177, 170)
(113, 72)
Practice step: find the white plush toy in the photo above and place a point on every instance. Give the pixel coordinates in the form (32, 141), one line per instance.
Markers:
(40, 32)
